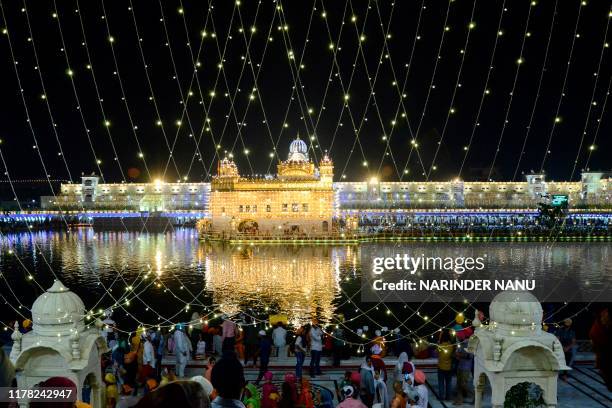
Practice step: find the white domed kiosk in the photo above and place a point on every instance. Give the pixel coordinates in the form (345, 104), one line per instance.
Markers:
(512, 349)
(60, 345)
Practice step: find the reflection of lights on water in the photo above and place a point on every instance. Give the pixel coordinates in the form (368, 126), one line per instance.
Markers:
(158, 262)
(297, 282)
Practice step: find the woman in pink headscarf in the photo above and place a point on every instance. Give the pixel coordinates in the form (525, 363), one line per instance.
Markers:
(291, 382)
(270, 393)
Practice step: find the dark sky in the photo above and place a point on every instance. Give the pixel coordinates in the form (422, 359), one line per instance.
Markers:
(404, 47)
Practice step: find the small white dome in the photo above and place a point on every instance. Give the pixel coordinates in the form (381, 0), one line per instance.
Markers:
(56, 311)
(516, 309)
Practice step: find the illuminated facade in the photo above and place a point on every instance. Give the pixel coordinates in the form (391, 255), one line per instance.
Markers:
(311, 197)
(156, 196)
(299, 200)
(593, 191)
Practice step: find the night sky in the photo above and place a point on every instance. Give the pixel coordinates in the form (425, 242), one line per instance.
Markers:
(477, 89)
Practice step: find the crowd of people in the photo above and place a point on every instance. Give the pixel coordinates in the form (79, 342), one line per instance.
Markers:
(386, 378)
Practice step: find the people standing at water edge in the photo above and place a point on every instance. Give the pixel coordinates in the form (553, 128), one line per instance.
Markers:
(200, 347)
(148, 357)
(316, 347)
(279, 337)
(182, 350)
(445, 365)
(265, 349)
(338, 346)
(229, 329)
(195, 330)
(567, 337)
(465, 363)
(366, 386)
(300, 351)
(161, 337)
(251, 341)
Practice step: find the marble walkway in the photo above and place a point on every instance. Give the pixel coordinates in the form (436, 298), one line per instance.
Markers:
(584, 388)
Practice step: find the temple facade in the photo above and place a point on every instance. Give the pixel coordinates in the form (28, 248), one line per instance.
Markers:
(298, 200)
(303, 190)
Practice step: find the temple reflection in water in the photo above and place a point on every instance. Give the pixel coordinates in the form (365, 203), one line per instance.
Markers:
(298, 281)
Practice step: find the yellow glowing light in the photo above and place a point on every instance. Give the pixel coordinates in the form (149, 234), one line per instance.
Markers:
(557, 119)
(374, 180)
(472, 25)
(520, 61)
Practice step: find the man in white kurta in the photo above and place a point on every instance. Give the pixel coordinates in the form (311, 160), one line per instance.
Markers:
(182, 350)
(148, 355)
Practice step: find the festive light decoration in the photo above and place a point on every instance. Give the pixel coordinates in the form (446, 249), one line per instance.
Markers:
(196, 93)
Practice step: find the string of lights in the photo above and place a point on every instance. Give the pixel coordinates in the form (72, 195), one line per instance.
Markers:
(307, 118)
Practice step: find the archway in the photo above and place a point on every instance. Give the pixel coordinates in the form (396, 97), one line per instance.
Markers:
(248, 227)
(524, 394)
(325, 226)
(480, 384)
(91, 392)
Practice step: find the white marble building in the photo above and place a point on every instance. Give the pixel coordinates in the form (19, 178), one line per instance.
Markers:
(60, 345)
(512, 349)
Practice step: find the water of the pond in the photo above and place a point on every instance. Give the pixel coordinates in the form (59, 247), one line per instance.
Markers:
(165, 277)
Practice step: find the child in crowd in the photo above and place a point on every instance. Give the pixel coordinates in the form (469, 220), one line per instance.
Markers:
(201, 348)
